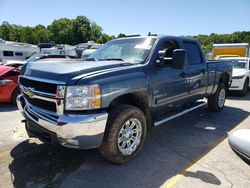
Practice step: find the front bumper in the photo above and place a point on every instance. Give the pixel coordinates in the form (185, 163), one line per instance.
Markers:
(74, 131)
(237, 84)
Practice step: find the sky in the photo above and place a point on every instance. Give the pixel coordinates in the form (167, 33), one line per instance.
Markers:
(171, 17)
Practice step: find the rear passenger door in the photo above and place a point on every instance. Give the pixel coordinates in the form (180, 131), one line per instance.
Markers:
(197, 70)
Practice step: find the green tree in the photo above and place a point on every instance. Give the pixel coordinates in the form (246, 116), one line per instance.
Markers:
(96, 32)
(105, 38)
(120, 35)
(27, 35)
(41, 34)
(17, 33)
(81, 29)
(62, 32)
(6, 31)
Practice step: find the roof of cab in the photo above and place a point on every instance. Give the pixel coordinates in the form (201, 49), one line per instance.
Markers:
(160, 37)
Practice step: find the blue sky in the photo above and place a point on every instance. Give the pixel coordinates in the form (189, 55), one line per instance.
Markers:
(172, 17)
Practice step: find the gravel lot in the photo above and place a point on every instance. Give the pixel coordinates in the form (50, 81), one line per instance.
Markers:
(191, 151)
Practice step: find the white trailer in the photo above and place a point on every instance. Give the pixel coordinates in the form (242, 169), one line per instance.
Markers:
(15, 51)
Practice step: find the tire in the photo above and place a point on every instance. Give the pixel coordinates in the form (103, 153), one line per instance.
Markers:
(119, 124)
(243, 92)
(217, 100)
(14, 95)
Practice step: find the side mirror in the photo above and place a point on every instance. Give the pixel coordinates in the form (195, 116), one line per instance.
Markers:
(179, 59)
(160, 59)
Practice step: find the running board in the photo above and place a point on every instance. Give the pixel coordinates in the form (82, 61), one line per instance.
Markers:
(179, 113)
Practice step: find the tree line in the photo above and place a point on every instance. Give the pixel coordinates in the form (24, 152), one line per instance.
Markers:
(61, 31)
(81, 30)
(207, 41)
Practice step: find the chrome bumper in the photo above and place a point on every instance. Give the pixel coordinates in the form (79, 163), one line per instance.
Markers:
(74, 131)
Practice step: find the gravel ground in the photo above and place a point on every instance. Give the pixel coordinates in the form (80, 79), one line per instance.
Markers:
(163, 161)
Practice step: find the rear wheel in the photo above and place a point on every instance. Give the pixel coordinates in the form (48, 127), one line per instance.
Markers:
(243, 92)
(217, 100)
(125, 134)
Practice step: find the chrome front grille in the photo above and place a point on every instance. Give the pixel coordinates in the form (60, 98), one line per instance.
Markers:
(45, 96)
(39, 86)
(48, 105)
(35, 114)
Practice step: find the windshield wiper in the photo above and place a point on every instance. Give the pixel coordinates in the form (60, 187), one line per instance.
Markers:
(111, 59)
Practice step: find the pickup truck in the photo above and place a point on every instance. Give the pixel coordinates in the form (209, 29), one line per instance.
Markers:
(112, 99)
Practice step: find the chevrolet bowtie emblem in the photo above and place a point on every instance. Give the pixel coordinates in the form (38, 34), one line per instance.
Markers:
(29, 92)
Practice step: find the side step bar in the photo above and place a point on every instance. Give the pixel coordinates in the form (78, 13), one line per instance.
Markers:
(179, 113)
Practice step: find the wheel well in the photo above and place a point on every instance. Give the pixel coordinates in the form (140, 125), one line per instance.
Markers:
(138, 99)
(224, 78)
(13, 100)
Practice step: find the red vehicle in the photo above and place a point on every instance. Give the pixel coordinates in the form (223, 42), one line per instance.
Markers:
(8, 83)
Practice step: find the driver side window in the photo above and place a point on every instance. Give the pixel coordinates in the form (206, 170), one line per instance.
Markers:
(167, 48)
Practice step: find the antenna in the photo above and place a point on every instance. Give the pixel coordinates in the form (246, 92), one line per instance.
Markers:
(151, 34)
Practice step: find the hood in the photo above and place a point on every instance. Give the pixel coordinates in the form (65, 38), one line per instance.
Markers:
(239, 72)
(5, 69)
(67, 71)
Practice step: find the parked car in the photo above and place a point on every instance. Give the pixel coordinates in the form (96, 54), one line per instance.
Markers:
(85, 46)
(9, 89)
(241, 74)
(86, 53)
(37, 57)
(239, 141)
(126, 87)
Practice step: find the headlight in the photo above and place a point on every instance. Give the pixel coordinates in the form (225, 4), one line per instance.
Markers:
(83, 97)
(238, 77)
(5, 82)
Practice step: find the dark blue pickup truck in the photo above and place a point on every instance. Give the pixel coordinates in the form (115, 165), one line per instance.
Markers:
(126, 87)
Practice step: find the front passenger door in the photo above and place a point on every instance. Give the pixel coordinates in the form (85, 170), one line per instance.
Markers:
(170, 87)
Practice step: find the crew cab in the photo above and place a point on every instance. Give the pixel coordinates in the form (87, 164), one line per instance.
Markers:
(122, 90)
(241, 74)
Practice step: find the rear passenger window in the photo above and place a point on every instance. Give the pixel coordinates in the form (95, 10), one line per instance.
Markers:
(8, 53)
(193, 53)
(19, 54)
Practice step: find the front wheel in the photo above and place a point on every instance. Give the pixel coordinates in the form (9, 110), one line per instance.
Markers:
(14, 95)
(217, 100)
(243, 92)
(125, 134)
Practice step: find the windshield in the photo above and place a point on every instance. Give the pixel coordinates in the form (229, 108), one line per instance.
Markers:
(34, 57)
(240, 64)
(129, 50)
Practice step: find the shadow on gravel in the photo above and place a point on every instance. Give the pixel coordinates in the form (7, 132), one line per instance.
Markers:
(5, 107)
(167, 151)
(37, 165)
(203, 176)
